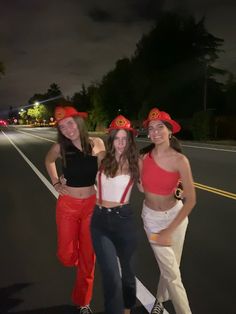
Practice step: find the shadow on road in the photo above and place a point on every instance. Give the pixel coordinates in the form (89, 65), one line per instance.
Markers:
(8, 303)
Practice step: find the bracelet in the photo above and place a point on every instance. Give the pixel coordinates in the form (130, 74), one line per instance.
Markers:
(56, 183)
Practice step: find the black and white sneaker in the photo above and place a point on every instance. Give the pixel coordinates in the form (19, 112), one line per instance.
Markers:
(158, 308)
(85, 310)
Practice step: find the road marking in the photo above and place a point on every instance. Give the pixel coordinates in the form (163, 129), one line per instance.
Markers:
(143, 294)
(195, 146)
(37, 136)
(38, 173)
(210, 148)
(215, 190)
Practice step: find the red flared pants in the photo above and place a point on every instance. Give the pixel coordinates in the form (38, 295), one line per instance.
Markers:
(75, 248)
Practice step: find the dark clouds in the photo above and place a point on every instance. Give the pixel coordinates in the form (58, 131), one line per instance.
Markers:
(71, 42)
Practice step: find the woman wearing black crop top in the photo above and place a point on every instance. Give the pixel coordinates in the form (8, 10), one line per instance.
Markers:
(112, 226)
(166, 218)
(80, 157)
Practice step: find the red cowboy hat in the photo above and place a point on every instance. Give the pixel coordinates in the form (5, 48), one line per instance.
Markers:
(156, 114)
(121, 123)
(66, 112)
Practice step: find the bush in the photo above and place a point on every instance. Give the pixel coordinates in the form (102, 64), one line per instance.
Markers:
(202, 125)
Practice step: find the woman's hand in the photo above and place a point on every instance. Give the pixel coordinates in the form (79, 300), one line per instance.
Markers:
(163, 238)
(61, 188)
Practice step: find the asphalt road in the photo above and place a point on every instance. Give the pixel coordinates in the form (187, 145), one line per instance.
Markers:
(33, 281)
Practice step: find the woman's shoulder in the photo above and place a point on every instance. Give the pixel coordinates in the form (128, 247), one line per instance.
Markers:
(96, 141)
(98, 145)
(54, 151)
(56, 148)
(180, 159)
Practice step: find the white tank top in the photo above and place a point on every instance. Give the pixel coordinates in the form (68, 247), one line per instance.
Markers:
(113, 188)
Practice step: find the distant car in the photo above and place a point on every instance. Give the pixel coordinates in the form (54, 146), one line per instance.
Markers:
(3, 123)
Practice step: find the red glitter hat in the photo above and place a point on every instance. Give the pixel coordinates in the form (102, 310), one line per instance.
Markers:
(120, 122)
(67, 111)
(156, 114)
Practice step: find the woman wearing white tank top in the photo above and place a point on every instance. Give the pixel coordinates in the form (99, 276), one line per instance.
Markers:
(112, 226)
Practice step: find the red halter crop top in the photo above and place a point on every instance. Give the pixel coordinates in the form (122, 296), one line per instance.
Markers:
(156, 179)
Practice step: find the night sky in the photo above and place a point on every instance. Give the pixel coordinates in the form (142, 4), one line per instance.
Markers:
(70, 42)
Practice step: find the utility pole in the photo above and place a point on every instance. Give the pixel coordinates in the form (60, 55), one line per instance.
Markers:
(205, 87)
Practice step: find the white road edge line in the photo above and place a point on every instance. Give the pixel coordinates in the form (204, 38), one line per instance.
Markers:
(39, 174)
(195, 146)
(143, 294)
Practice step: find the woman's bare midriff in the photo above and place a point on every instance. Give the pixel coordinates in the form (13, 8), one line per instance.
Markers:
(81, 192)
(159, 202)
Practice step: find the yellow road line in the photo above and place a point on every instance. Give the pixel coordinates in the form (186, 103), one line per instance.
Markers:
(216, 191)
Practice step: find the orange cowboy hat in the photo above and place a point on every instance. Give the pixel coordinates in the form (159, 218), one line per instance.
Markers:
(120, 122)
(66, 112)
(156, 114)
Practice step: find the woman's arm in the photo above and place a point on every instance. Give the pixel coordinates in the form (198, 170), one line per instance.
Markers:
(164, 236)
(140, 165)
(98, 145)
(98, 149)
(50, 163)
(189, 194)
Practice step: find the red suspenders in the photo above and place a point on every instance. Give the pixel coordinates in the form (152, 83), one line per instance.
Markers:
(100, 189)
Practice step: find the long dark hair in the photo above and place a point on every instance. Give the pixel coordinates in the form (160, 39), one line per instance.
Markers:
(174, 142)
(110, 165)
(66, 143)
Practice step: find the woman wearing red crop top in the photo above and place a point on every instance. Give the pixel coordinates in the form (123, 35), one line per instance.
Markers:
(112, 226)
(166, 218)
(80, 157)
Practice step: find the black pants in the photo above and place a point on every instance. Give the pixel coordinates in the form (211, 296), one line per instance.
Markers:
(114, 234)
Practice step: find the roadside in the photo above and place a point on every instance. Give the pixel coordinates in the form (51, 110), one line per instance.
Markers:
(223, 144)
(226, 144)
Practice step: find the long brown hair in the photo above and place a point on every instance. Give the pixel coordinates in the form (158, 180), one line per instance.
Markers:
(174, 142)
(110, 165)
(65, 143)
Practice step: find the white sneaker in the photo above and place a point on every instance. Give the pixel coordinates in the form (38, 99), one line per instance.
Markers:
(85, 310)
(158, 308)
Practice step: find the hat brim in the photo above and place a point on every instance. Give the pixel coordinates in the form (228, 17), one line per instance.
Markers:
(175, 125)
(119, 128)
(83, 115)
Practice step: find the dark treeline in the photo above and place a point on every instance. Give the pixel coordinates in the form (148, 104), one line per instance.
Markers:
(173, 68)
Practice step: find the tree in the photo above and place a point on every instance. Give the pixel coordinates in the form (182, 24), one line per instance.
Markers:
(53, 91)
(81, 100)
(116, 90)
(173, 58)
(38, 112)
(50, 99)
(97, 118)
(2, 69)
(230, 95)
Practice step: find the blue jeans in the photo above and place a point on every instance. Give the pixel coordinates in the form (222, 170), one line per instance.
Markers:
(114, 234)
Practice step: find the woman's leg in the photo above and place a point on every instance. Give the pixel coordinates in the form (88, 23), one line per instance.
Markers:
(67, 233)
(83, 289)
(107, 260)
(177, 246)
(171, 281)
(126, 245)
(168, 258)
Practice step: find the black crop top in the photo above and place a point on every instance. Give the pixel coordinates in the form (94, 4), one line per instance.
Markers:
(79, 170)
